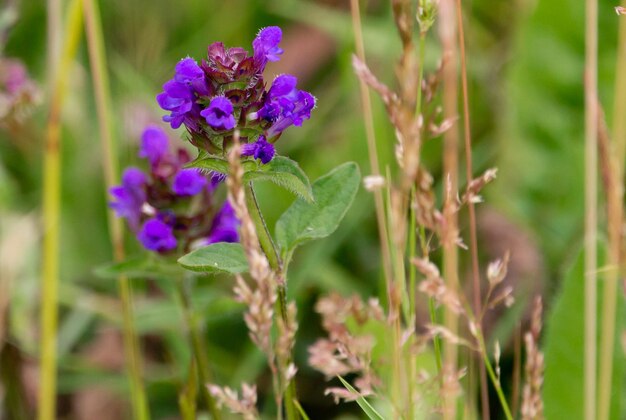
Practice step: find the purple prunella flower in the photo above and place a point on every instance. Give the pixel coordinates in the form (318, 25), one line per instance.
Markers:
(130, 197)
(189, 73)
(219, 114)
(285, 105)
(261, 149)
(154, 144)
(265, 46)
(225, 226)
(179, 94)
(156, 235)
(188, 182)
(177, 98)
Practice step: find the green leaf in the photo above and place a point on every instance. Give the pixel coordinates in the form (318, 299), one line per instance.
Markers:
(333, 194)
(218, 164)
(367, 408)
(282, 171)
(563, 392)
(300, 410)
(285, 173)
(140, 268)
(221, 257)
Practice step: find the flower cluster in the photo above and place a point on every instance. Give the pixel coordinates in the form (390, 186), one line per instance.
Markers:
(171, 206)
(227, 91)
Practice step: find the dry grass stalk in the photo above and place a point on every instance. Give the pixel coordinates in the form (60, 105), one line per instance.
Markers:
(447, 32)
(532, 404)
(260, 300)
(345, 352)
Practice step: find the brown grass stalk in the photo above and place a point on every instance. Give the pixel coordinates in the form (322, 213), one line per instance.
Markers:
(613, 189)
(473, 246)
(447, 29)
(366, 103)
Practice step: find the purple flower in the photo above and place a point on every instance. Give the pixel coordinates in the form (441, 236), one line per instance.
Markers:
(261, 149)
(130, 196)
(219, 114)
(154, 144)
(265, 46)
(189, 73)
(177, 98)
(225, 225)
(179, 94)
(189, 182)
(285, 105)
(156, 235)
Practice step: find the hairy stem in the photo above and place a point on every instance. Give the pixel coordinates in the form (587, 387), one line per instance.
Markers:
(273, 257)
(97, 56)
(52, 220)
(198, 346)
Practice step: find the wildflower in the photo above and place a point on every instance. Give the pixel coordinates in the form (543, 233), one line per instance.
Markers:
(179, 100)
(189, 182)
(154, 144)
(225, 226)
(157, 236)
(130, 196)
(219, 114)
(227, 91)
(171, 207)
(286, 105)
(261, 149)
(190, 74)
(265, 46)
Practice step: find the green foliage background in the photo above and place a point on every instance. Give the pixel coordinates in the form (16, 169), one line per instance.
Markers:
(526, 97)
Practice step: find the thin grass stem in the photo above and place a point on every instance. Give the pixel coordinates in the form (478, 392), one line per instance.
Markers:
(484, 392)
(450, 171)
(52, 219)
(613, 189)
(591, 208)
(615, 218)
(366, 103)
(100, 81)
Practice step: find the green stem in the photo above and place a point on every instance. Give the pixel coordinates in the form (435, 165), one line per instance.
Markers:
(492, 376)
(97, 56)
(273, 257)
(52, 219)
(199, 348)
(436, 343)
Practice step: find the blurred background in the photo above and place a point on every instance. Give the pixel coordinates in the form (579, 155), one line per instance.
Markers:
(527, 115)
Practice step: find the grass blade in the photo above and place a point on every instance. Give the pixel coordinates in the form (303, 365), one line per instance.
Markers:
(367, 408)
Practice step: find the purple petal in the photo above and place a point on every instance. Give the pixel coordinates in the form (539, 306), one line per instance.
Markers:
(189, 182)
(156, 235)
